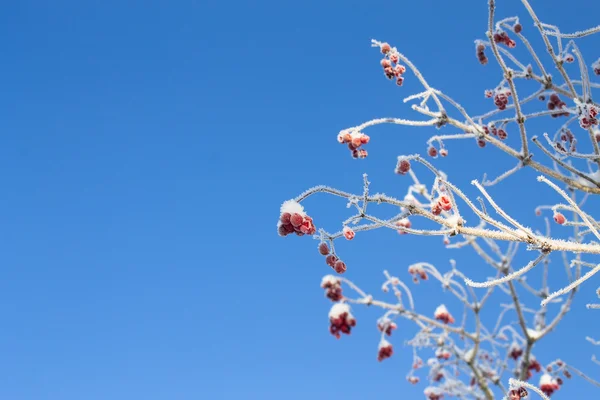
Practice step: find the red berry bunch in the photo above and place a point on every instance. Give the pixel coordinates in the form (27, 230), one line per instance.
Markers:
(334, 262)
(341, 320)
(403, 166)
(417, 272)
(441, 314)
(433, 393)
(534, 365)
(568, 58)
(480, 51)
(391, 68)
(596, 67)
(386, 325)
(556, 103)
(293, 219)
(354, 140)
(515, 351)
(502, 37)
(385, 350)
(333, 287)
(403, 223)
(587, 115)
(501, 98)
(348, 233)
(517, 394)
(548, 385)
(442, 354)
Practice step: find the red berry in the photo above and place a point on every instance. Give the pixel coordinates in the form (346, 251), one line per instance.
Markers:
(385, 48)
(443, 152)
(323, 249)
(386, 63)
(444, 203)
(339, 267)
(432, 151)
(285, 218)
(518, 28)
(403, 167)
(296, 220)
(559, 218)
(330, 260)
(399, 81)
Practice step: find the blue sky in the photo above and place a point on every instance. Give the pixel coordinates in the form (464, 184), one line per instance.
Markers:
(146, 147)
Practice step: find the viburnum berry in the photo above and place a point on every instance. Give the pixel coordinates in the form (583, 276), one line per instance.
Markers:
(548, 385)
(432, 151)
(385, 48)
(442, 354)
(443, 152)
(436, 209)
(541, 97)
(515, 351)
(323, 249)
(587, 115)
(518, 28)
(556, 103)
(399, 81)
(433, 393)
(481, 143)
(441, 314)
(403, 223)
(340, 267)
(596, 67)
(331, 260)
(534, 365)
(480, 51)
(417, 271)
(399, 70)
(488, 94)
(385, 350)
(348, 233)
(567, 374)
(341, 320)
(502, 134)
(333, 287)
(385, 63)
(413, 379)
(293, 219)
(444, 203)
(394, 58)
(386, 325)
(569, 58)
(559, 218)
(502, 37)
(403, 166)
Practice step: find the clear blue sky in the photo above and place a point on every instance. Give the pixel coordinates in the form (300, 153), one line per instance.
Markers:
(146, 147)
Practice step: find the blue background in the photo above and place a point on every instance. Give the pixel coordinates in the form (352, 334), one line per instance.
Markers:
(146, 147)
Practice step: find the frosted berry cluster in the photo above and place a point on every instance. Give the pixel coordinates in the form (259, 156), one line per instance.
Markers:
(548, 384)
(433, 393)
(386, 325)
(502, 37)
(515, 351)
(417, 272)
(587, 115)
(556, 103)
(331, 259)
(518, 393)
(534, 365)
(403, 223)
(442, 354)
(341, 320)
(391, 68)
(491, 128)
(385, 350)
(354, 140)
(293, 219)
(442, 204)
(480, 51)
(441, 314)
(500, 97)
(333, 288)
(596, 67)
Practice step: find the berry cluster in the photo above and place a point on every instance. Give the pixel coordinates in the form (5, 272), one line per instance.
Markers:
(441, 314)
(385, 350)
(502, 37)
(556, 103)
(403, 166)
(433, 393)
(391, 68)
(480, 51)
(403, 223)
(432, 151)
(354, 140)
(596, 67)
(442, 354)
(515, 351)
(293, 219)
(333, 287)
(417, 272)
(568, 58)
(386, 325)
(341, 320)
(442, 204)
(491, 128)
(518, 393)
(501, 98)
(534, 365)
(549, 385)
(331, 259)
(587, 115)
